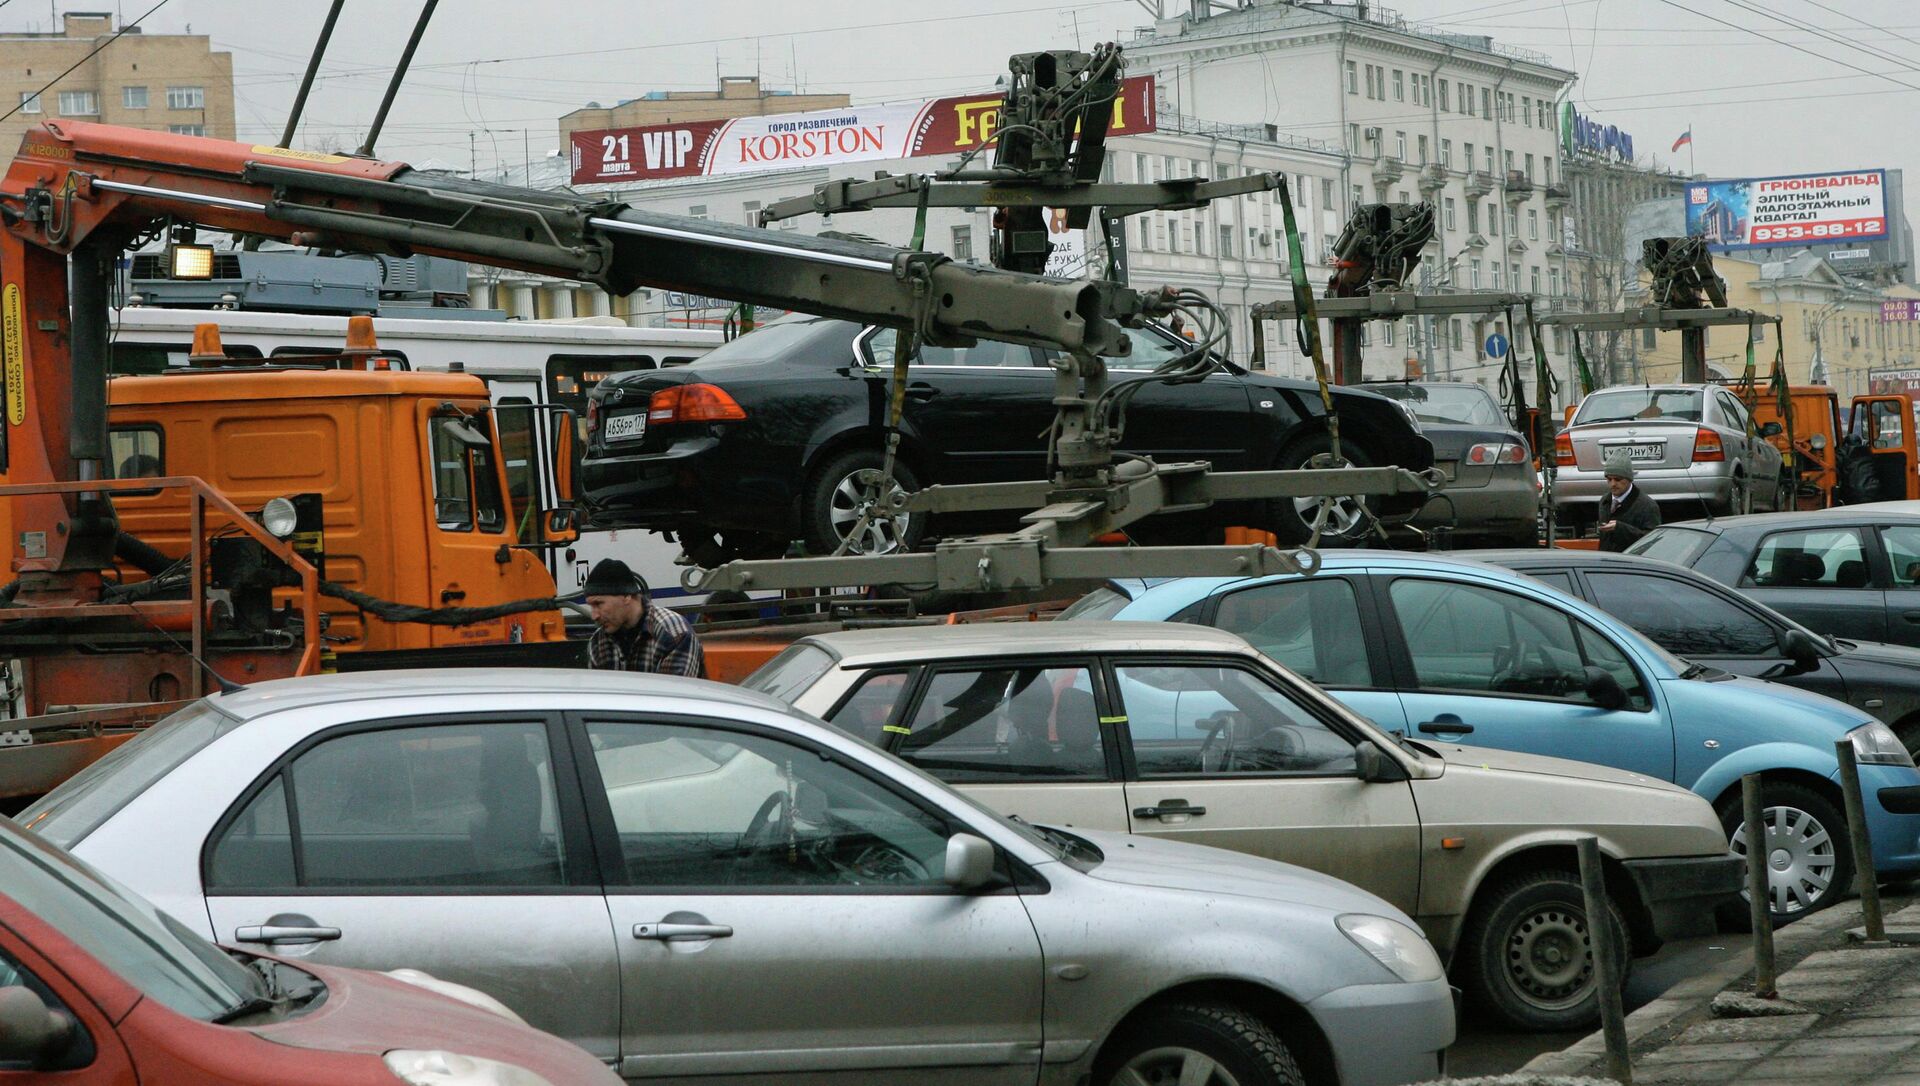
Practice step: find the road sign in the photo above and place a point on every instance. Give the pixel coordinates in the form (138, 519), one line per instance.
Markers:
(1496, 346)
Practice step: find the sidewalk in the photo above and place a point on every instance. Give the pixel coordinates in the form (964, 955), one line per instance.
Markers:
(1847, 1015)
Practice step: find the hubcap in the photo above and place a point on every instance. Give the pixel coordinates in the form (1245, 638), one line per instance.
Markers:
(1343, 514)
(883, 533)
(1800, 859)
(1174, 1066)
(1547, 957)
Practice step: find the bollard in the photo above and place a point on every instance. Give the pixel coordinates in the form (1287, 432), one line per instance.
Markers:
(1753, 814)
(1862, 842)
(1606, 966)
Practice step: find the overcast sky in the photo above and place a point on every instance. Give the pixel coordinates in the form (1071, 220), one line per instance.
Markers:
(492, 76)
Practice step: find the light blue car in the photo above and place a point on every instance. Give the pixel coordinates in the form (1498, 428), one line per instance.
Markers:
(1443, 649)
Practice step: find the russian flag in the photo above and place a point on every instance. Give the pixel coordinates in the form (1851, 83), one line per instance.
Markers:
(1685, 138)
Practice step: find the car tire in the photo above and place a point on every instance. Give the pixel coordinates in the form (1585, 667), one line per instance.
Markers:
(1177, 1042)
(1291, 519)
(1783, 495)
(1809, 828)
(831, 506)
(708, 548)
(1524, 956)
(1739, 499)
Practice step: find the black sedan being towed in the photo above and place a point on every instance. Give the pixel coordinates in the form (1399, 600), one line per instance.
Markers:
(1700, 619)
(764, 440)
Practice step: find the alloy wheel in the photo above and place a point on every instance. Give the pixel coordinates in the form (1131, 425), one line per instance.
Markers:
(1174, 1066)
(852, 497)
(1801, 858)
(1344, 514)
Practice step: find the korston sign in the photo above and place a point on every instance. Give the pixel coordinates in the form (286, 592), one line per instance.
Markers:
(943, 126)
(1581, 136)
(1816, 208)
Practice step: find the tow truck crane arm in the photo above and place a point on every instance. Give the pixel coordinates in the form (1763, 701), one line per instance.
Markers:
(89, 191)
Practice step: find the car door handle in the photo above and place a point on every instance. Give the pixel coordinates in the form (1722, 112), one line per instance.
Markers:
(284, 934)
(664, 931)
(1446, 724)
(918, 391)
(1169, 807)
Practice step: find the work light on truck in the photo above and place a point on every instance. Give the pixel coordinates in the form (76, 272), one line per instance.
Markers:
(279, 518)
(693, 403)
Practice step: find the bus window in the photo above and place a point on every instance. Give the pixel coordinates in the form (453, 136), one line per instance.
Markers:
(148, 358)
(569, 377)
(396, 360)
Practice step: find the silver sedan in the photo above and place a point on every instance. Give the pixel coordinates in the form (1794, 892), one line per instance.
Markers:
(1691, 445)
(698, 884)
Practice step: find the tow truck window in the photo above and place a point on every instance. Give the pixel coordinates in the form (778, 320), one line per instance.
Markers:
(137, 452)
(521, 449)
(466, 490)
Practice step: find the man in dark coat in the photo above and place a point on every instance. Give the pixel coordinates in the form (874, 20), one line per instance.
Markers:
(1627, 513)
(635, 633)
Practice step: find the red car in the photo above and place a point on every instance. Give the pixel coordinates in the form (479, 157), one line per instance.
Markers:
(98, 987)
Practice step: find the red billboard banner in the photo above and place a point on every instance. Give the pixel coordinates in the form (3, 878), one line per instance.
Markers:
(943, 126)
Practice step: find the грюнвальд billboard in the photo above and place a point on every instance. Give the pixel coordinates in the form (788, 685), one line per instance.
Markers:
(1805, 209)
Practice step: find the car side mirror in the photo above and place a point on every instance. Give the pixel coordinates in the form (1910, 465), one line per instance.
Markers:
(1772, 429)
(1604, 690)
(969, 862)
(1795, 645)
(1372, 765)
(30, 1031)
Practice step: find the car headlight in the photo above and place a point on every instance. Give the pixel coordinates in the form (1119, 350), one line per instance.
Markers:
(437, 1068)
(1875, 744)
(1404, 951)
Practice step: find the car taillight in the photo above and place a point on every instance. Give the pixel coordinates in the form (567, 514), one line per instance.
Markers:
(1562, 450)
(593, 416)
(1497, 452)
(693, 403)
(1706, 446)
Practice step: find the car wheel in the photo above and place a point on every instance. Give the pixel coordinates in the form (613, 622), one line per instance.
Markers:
(1739, 499)
(1198, 1044)
(1291, 519)
(1526, 954)
(708, 548)
(840, 490)
(1809, 860)
(1783, 495)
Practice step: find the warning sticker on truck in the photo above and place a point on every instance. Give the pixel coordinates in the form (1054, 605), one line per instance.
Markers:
(10, 343)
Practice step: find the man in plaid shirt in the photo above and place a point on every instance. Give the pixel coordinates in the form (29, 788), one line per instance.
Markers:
(635, 633)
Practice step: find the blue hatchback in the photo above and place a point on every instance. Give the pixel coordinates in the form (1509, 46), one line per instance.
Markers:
(1446, 649)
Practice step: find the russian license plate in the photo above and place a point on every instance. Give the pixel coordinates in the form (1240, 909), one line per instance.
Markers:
(1651, 450)
(626, 427)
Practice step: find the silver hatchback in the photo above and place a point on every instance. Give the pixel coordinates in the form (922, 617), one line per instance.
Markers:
(1690, 445)
(699, 884)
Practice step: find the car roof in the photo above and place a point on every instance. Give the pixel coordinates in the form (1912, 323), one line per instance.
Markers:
(1514, 557)
(897, 644)
(1874, 513)
(1332, 560)
(277, 695)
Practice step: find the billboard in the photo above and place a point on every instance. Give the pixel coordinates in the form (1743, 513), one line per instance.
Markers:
(1889, 382)
(943, 126)
(1806, 209)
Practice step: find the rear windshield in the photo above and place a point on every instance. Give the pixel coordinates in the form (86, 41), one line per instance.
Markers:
(1446, 405)
(1640, 404)
(1677, 545)
(1101, 603)
(778, 338)
(70, 812)
(789, 674)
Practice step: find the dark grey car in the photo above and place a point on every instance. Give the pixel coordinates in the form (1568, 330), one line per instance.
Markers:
(1492, 494)
(1852, 573)
(1696, 617)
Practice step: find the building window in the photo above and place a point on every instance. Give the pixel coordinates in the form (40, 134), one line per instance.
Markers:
(1140, 169)
(1444, 107)
(750, 213)
(1359, 197)
(1353, 78)
(1468, 163)
(1402, 197)
(1534, 277)
(1466, 99)
(186, 98)
(1553, 281)
(1400, 146)
(1326, 248)
(1546, 169)
(1529, 167)
(79, 104)
(1533, 224)
(963, 243)
(1513, 227)
(1200, 240)
(133, 97)
(1488, 149)
(1486, 102)
(1526, 110)
(1353, 138)
(1513, 275)
(1493, 218)
(1496, 275)
(1508, 158)
(1226, 240)
(29, 103)
(1447, 206)
(1446, 153)
(1399, 88)
(697, 211)
(1473, 215)
(1386, 333)
(187, 129)
(1453, 332)
(1540, 110)
(1326, 194)
(1423, 150)
(1649, 339)
(1473, 271)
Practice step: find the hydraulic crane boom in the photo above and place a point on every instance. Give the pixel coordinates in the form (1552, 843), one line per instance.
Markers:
(89, 191)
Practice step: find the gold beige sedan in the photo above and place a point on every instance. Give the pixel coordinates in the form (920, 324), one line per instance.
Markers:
(1189, 733)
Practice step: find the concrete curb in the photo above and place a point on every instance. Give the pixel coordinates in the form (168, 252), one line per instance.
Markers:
(1694, 996)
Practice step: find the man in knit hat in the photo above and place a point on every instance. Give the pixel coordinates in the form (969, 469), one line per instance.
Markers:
(1627, 513)
(636, 634)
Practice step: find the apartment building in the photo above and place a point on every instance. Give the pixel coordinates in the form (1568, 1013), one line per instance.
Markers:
(165, 82)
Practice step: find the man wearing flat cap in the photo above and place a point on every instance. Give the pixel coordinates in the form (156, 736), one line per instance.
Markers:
(1627, 513)
(636, 634)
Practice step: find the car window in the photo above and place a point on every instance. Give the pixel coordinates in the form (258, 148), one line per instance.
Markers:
(1903, 553)
(791, 673)
(1101, 603)
(1189, 720)
(86, 800)
(867, 712)
(1683, 618)
(425, 808)
(1007, 723)
(1453, 405)
(1150, 350)
(1559, 579)
(988, 353)
(1603, 654)
(1465, 637)
(1311, 626)
(1630, 404)
(1811, 558)
(699, 807)
(1677, 545)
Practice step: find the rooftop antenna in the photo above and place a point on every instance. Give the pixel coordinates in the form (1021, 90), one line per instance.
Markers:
(399, 73)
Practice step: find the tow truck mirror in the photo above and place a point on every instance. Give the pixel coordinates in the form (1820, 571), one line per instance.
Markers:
(562, 524)
(1772, 429)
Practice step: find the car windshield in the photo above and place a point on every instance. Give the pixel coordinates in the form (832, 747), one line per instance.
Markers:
(1640, 405)
(789, 674)
(1669, 544)
(86, 800)
(1455, 405)
(1098, 605)
(143, 946)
